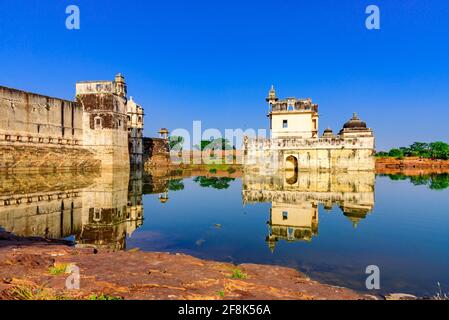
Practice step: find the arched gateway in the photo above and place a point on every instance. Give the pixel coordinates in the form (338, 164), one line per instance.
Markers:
(291, 164)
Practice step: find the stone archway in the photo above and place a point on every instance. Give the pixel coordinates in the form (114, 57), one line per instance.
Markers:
(291, 164)
(291, 170)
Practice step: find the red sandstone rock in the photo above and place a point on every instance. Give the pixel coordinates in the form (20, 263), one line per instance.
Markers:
(24, 273)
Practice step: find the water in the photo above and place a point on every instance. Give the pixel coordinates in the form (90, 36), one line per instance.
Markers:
(329, 226)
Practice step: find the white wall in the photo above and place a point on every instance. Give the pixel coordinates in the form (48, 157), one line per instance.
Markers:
(300, 125)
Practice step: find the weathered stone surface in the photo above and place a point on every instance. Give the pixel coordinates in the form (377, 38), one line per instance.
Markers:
(412, 165)
(313, 154)
(98, 209)
(91, 132)
(31, 158)
(156, 153)
(139, 275)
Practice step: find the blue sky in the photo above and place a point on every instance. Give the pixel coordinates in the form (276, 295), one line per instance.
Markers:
(214, 61)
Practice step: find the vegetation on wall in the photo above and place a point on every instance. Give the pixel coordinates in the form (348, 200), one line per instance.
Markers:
(434, 150)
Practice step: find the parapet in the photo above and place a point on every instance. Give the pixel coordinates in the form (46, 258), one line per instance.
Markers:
(93, 87)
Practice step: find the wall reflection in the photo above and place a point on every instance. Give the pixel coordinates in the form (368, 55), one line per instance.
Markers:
(99, 210)
(295, 198)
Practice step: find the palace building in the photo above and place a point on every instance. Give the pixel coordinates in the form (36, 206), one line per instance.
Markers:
(296, 199)
(296, 144)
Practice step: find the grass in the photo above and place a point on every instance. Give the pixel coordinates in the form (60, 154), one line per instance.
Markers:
(103, 297)
(58, 269)
(238, 274)
(221, 294)
(32, 292)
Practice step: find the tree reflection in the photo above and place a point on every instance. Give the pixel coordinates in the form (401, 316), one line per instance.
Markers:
(432, 181)
(214, 182)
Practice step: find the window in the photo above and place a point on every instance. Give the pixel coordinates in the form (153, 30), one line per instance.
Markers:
(285, 124)
(98, 124)
(284, 215)
(97, 215)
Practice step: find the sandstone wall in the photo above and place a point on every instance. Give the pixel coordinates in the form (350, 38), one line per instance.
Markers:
(42, 205)
(31, 158)
(156, 153)
(324, 154)
(40, 133)
(97, 208)
(105, 128)
(42, 120)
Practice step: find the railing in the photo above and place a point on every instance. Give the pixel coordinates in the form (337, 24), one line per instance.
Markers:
(292, 108)
(21, 139)
(291, 143)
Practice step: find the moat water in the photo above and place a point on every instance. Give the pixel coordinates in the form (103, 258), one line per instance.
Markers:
(330, 227)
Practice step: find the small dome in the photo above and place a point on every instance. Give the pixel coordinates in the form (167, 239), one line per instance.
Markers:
(328, 133)
(355, 123)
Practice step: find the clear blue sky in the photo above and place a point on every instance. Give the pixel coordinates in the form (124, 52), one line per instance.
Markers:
(215, 60)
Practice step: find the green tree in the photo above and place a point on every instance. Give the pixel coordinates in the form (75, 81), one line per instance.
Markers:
(420, 149)
(439, 182)
(420, 180)
(381, 154)
(439, 150)
(176, 185)
(396, 153)
(214, 182)
(175, 142)
(216, 144)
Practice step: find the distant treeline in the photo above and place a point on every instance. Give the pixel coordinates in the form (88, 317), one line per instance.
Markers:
(434, 150)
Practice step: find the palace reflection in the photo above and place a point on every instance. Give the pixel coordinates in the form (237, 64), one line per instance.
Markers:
(296, 196)
(99, 210)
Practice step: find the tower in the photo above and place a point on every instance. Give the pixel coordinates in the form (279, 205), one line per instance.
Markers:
(105, 130)
(292, 118)
(135, 133)
(120, 85)
(271, 99)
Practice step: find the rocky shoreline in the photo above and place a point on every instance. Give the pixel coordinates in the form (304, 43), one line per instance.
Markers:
(412, 165)
(34, 269)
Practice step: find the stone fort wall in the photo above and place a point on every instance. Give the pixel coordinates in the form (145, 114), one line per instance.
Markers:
(41, 133)
(156, 153)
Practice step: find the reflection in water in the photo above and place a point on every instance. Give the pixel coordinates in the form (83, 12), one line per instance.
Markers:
(204, 217)
(433, 181)
(295, 198)
(100, 210)
(214, 182)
